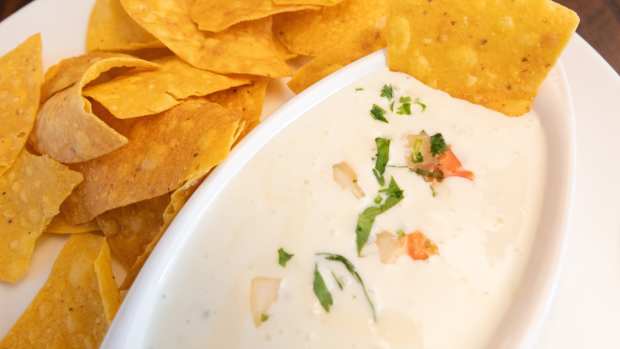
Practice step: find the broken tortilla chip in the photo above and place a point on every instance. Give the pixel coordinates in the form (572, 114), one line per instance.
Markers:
(153, 92)
(245, 48)
(76, 304)
(307, 2)
(59, 225)
(131, 228)
(111, 29)
(496, 54)
(164, 151)
(20, 86)
(30, 196)
(335, 59)
(66, 128)
(312, 33)
(247, 101)
(218, 15)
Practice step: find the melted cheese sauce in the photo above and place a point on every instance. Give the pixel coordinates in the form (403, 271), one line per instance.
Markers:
(286, 197)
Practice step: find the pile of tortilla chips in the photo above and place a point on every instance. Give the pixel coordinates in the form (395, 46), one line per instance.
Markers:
(107, 147)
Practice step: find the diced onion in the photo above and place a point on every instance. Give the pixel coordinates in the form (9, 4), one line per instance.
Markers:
(263, 293)
(390, 247)
(346, 177)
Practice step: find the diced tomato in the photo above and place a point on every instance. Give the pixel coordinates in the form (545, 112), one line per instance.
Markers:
(419, 247)
(450, 165)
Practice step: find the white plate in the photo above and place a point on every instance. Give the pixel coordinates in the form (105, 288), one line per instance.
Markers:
(587, 309)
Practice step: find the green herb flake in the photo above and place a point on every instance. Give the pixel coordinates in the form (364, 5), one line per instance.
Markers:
(378, 113)
(438, 144)
(320, 290)
(421, 104)
(351, 269)
(394, 195)
(284, 257)
(387, 92)
(400, 233)
(435, 174)
(417, 158)
(264, 317)
(378, 199)
(338, 281)
(357, 89)
(433, 191)
(381, 158)
(405, 106)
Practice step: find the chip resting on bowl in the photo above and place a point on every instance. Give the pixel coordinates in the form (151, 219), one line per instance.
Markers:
(111, 29)
(68, 130)
(20, 85)
(164, 151)
(75, 306)
(496, 54)
(30, 196)
(152, 92)
(312, 33)
(217, 15)
(245, 48)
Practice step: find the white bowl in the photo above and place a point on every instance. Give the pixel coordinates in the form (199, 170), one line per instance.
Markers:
(525, 316)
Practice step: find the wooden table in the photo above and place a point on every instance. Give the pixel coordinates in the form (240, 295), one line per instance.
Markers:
(600, 23)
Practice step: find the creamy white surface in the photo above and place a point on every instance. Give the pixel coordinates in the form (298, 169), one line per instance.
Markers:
(286, 197)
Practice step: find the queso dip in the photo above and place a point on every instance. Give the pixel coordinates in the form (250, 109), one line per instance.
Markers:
(454, 245)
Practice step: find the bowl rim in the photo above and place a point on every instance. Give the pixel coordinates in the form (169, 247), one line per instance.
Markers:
(130, 325)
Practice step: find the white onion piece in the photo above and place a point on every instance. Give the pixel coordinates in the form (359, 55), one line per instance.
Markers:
(263, 293)
(346, 177)
(390, 247)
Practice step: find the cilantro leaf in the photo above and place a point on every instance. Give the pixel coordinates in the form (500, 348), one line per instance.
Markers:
(284, 257)
(378, 113)
(359, 89)
(264, 317)
(382, 158)
(351, 269)
(338, 281)
(438, 144)
(405, 106)
(394, 195)
(387, 92)
(320, 290)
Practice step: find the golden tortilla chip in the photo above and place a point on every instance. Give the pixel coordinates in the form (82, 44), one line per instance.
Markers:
(69, 71)
(66, 128)
(247, 101)
(218, 15)
(164, 151)
(20, 85)
(59, 225)
(312, 33)
(76, 304)
(111, 29)
(335, 59)
(131, 228)
(153, 92)
(246, 48)
(30, 196)
(491, 53)
(307, 2)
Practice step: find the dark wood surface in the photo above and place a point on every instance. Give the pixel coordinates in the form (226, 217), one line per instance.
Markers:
(600, 23)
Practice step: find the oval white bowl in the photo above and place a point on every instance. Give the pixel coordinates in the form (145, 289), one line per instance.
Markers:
(525, 316)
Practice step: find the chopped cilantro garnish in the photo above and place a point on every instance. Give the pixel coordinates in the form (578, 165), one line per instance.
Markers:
(438, 144)
(417, 158)
(359, 89)
(378, 113)
(393, 195)
(284, 257)
(264, 317)
(378, 199)
(434, 174)
(338, 281)
(433, 191)
(421, 104)
(387, 92)
(320, 290)
(400, 233)
(392, 106)
(405, 106)
(382, 158)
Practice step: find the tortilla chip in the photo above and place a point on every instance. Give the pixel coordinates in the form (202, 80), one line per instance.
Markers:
(66, 127)
(59, 225)
(218, 15)
(335, 59)
(153, 92)
(164, 151)
(312, 33)
(491, 53)
(74, 307)
(111, 29)
(69, 71)
(307, 2)
(131, 228)
(247, 101)
(30, 195)
(20, 85)
(246, 48)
